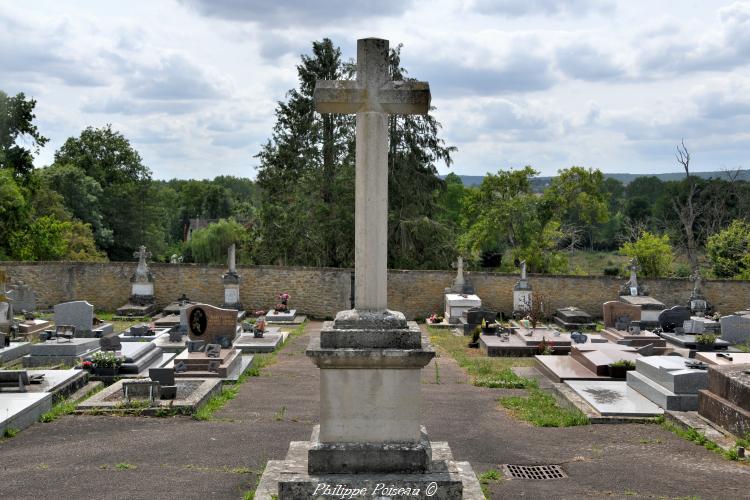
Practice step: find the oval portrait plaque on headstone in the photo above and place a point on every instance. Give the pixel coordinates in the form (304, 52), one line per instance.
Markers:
(197, 322)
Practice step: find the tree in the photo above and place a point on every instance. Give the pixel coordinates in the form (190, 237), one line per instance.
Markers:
(729, 251)
(654, 254)
(576, 197)
(107, 157)
(82, 195)
(686, 209)
(16, 122)
(209, 245)
(13, 209)
(307, 174)
(505, 214)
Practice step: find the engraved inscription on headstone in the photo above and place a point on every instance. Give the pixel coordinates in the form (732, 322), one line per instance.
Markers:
(195, 345)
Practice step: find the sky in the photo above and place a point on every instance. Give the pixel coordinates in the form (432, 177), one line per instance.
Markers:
(193, 84)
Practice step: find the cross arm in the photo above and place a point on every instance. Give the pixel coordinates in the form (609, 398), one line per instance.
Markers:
(405, 98)
(338, 96)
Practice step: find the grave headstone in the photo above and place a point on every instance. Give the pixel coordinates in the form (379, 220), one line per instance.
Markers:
(141, 301)
(735, 329)
(693, 327)
(231, 282)
(6, 316)
(631, 287)
(522, 294)
(165, 378)
(78, 313)
(674, 317)
(208, 323)
(613, 309)
(573, 318)
(195, 345)
(697, 303)
(110, 343)
(24, 297)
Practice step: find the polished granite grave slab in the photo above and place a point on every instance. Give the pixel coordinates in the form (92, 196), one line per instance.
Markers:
(689, 341)
(248, 343)
(723, 359)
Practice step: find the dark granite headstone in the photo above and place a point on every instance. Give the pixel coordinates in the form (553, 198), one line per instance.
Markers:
(671, 318)
(165, 377)
(110, 343)
(475, 315)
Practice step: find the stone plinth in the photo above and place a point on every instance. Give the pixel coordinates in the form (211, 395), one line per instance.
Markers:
(726, 401)
(370, 366)
(199, 364)
(457, 304)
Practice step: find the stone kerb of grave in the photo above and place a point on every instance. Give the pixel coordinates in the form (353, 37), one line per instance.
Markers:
(211, 324)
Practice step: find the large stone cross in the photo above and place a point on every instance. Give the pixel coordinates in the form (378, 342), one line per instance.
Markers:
(372, 96)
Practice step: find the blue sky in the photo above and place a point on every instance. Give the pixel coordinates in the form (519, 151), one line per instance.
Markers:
(551, 83)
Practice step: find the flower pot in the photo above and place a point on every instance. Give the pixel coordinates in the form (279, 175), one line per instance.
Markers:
(106, 371)
(617, 371)
(705, 347)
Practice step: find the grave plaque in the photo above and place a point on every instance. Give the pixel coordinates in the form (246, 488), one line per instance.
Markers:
(213, 350)
(208, 323)
(195, 345)
(180, 367)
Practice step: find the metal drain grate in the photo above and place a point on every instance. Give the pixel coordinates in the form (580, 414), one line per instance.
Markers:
(534, 471)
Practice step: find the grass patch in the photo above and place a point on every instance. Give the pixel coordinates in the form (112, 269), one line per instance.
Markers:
(700, 439)
(230, 391)
(125, 466)
(64, 407)
(10, 432)
(488, 477)
(541, 409)
(484, 371)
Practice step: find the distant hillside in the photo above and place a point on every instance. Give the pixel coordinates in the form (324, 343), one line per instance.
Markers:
(540, 182)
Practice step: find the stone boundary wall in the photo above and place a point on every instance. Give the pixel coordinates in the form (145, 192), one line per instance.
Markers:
(321, 292)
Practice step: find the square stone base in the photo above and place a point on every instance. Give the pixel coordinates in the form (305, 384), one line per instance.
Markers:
(356, 458)
(446, 479)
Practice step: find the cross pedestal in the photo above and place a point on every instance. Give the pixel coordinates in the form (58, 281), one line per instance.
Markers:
(370, 358)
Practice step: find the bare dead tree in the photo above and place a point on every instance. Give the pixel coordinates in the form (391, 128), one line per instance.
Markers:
(686, 210)
(631, 231)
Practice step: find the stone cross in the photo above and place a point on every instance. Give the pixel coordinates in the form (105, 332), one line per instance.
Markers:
(372, 96)
(696, 277)
(141, 272)
(633, 278)
(459, 272)
(523, 269)
(230, 257)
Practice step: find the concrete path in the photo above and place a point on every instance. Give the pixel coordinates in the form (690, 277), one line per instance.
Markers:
(180, 458)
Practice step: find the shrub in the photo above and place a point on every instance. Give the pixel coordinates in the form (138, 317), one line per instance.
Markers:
(654, 254)
(729, 251)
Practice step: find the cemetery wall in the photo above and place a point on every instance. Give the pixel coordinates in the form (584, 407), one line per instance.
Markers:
(322, 292)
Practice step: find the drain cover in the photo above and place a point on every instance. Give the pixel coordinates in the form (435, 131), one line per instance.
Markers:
(534, 471)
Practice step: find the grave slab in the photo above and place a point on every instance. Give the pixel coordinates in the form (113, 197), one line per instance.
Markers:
(660, 395)
(727, 399)
(19, 410)
(165, 344)
(650, 308)
(191, 395)
(562, 368)
(735, 329)
(723, 359)
(457, 303)
(574, 319)
(613, 398)
(14, 351)
(248, 343)
(688, 341)
(127, 335)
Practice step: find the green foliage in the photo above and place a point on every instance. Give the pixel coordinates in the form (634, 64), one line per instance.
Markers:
(729, 251)
(43, 239)
(705, 339)
(10, 432)
(541, 409)
(209, 245)
(105, 359)
(307, 173)
(654, 254)
(505, 214)
(16, 125)
(623, 363)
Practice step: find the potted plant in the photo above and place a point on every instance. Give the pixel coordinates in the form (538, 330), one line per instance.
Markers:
(105, 364)
(545, 348)
(705, 342)
(475, 337)
(619, 369)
